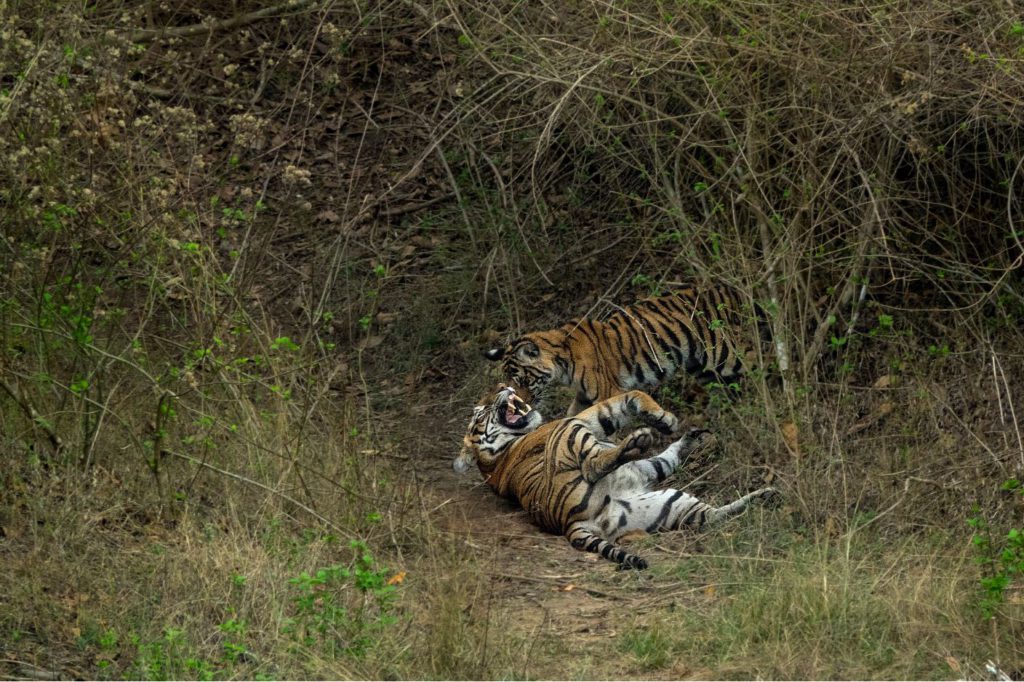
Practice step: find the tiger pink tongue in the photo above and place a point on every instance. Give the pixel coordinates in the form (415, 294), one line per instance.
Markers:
(510, 416)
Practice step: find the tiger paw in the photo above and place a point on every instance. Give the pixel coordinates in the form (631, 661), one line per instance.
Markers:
(666, 422)
(697, 443)
(637, 444)
(631, 562)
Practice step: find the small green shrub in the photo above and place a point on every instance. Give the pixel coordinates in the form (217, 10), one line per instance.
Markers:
(1001, 557)
(328, 618)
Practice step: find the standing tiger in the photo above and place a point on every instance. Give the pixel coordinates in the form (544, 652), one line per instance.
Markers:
(571, 479)
(638, 347)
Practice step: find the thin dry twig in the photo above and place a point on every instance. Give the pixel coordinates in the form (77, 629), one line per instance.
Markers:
(248, 481)
(33, 416)
(1009, 399)
(549, 581)
(145, 35)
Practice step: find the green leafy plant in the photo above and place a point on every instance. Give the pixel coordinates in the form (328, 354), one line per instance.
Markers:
(168, 658)
(284, 343)
(1001, 556)
(646, 281)
(234, 630)
(329, 618)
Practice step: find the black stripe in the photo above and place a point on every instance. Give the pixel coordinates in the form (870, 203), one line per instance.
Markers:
(651, 362)
(638, 372)
(693, 363)
(573, 430)
(696, 510)
(619, 346)
(675, 344)
(665, 345)
(584, 503)
(665, 509)
(720, 363)
(565, 493)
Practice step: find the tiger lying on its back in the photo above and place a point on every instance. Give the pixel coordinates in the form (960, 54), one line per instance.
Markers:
(637, 347)
(571, 479)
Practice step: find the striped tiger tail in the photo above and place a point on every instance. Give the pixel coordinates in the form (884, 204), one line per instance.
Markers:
(582, 538)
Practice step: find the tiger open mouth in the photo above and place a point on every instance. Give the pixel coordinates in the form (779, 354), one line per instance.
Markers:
(515, 410)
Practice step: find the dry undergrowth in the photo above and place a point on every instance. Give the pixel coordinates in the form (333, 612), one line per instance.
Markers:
(251, 254)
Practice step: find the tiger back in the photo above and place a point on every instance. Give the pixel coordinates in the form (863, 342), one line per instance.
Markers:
(638, 347)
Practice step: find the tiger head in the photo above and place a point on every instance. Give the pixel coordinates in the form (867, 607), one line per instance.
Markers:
(499, 420)
(533, 361)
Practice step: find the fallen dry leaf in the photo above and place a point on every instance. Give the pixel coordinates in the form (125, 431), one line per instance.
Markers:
(370, 342)
(791, 434)
(881, 411)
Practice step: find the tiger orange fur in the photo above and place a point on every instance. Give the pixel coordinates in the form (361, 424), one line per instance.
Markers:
(570, 478)
(637, 347)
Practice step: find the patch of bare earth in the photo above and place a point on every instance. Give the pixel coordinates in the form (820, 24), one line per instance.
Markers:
(564, 602)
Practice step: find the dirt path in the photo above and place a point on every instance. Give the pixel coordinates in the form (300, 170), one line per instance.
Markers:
(579, 601)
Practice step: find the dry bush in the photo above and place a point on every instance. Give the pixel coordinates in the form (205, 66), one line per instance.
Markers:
(855, 169)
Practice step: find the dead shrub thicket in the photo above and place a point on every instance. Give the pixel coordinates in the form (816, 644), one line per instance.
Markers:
(857, 169)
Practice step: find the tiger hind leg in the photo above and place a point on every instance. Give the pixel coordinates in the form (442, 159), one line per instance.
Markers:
(656, 469)
(769, 497)
(662, 510)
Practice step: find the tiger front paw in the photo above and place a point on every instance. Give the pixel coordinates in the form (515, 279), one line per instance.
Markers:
(665, 422)
(637, 444)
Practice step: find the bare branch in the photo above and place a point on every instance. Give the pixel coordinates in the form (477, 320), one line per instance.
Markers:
(144, 35)
(34, 416)
(257, 484)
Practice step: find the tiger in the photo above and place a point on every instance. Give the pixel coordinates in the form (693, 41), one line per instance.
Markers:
(571, 479)
(637, 347)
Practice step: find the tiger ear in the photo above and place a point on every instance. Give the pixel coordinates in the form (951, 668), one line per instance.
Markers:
(494, 354)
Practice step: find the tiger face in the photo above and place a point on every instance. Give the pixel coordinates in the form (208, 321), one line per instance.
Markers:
(532, 362)
(496, 423)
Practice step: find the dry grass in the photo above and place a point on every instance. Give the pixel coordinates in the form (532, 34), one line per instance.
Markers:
(817, 611)
(247, 269)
